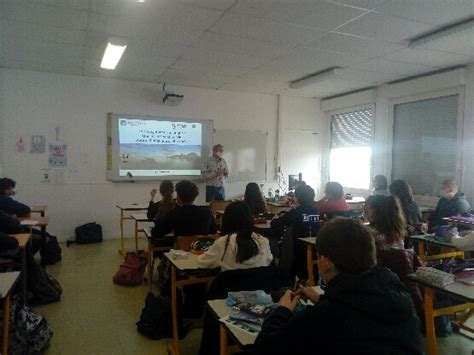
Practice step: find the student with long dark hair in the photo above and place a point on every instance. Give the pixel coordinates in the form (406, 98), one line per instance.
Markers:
(239, 247)
(254, 199)
(411, 210)
(167, 203)
(385, 215)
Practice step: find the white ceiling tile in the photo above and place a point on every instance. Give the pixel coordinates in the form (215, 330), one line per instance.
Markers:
(367, 77)
(233, 44)
(190, 78)
(35, 32)
(201, 55)
(427, 57)
(384, 28)
(74, 4)
(363, 47)
(362, 4)
(318, 14)
(324, 88)
(210, 4)
(211, 68)
(435, 12)
(63, 66)
(264, 30)
(304, 61)
(391, 67)
(249, 83)
(54, 16)
(461, 42)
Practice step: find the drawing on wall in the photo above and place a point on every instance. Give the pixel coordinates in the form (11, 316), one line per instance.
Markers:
(38, 144)
(57, 155)
(20, 145)
(45, 176)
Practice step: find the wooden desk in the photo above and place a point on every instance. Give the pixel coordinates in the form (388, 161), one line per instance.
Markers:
(139, 218)
(127, 208)
(42, 223)
(41, 209)
(427, 239)
(243, 339)
(7, 282)
(458, 291)
(23, 240)
(186, 266)
(152, 248)
(310, 243)
(356, 203)
(276, 208)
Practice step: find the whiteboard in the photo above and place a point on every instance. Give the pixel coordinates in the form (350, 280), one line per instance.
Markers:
(245, 153)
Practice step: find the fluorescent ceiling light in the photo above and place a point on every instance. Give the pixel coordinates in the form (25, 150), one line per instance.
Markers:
(112, 54)
(442, 32)
(315, 78)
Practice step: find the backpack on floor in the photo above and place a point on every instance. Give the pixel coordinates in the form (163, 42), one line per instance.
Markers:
(131, 271)
(155, 320)
(29, 332)
(44, 288)
(51, 251)
(87, 234)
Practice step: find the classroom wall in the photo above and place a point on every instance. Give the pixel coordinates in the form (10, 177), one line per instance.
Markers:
(460, 80)
(36, 103)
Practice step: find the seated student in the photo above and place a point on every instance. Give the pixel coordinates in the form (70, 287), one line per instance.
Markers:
(11, 225)
(304, 202)
(7, 203)
(386, 216)
(452, 203)
(380, 185)
(411, 210)
(364, 309)
(254, 199)
(239, 247)
(161, 208)
(333, 200)
(186, 219)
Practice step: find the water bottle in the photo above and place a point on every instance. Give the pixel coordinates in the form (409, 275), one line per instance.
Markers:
(270, 193)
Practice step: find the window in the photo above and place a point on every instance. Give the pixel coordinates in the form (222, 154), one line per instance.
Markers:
(351, 148)
(424, 143)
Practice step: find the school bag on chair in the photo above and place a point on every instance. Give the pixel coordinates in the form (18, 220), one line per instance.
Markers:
(131, 271)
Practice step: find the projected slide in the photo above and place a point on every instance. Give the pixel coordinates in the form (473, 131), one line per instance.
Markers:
(159, 148)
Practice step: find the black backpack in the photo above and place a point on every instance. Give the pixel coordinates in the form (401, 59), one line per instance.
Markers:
(87, 234)
(51, 251)
(155, 319)
(44, 288)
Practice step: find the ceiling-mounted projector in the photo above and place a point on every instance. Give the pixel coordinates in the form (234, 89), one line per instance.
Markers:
(170, 98)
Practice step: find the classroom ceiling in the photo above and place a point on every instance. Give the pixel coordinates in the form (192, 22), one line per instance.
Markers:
(238, 45)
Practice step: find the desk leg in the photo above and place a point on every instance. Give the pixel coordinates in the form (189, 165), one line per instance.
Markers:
(174, 346)
(6, 324)
(224, 341)
(421, 250)
(309, 261)
(43, 242)
(429, 322)
(136, 235)
(122, 242)
(24, 275)
(150, 264)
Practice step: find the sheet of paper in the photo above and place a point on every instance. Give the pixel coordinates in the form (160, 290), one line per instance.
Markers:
(28, 222)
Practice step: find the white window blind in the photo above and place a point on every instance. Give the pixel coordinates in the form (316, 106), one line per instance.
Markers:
(351, 148)
(424, 143)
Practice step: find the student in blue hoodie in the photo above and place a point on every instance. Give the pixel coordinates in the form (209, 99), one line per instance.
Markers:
(7, 203)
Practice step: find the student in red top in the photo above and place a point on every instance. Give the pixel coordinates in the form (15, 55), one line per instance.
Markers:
(333, 200)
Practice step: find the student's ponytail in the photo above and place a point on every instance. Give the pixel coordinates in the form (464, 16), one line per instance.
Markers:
(247, 247)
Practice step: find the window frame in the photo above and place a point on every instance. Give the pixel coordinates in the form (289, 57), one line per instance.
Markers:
(459, 91)
(368, 106)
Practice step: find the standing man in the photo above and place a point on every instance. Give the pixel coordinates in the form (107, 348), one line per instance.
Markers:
(215, 173)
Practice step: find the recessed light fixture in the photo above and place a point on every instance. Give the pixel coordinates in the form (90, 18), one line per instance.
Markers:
(113, 53)
(442, 32)
(315, 78)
